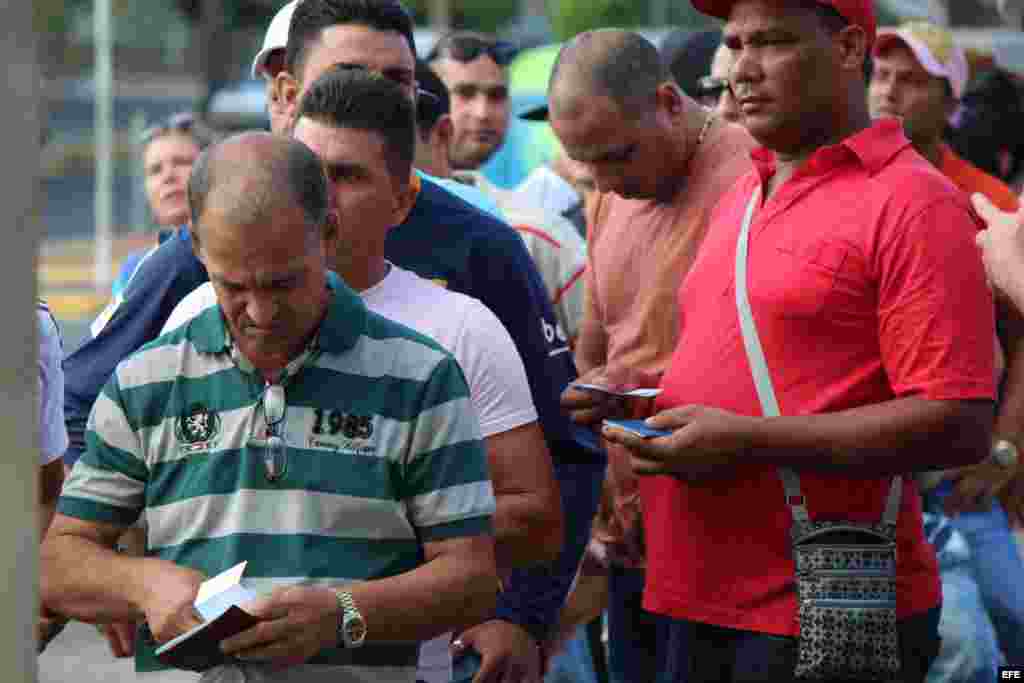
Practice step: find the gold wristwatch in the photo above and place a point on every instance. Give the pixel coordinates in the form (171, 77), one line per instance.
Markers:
(351, 625)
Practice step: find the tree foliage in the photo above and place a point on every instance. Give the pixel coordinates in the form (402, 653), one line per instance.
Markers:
(569, 17)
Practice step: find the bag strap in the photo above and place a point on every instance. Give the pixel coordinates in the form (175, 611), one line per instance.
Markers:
(763, 379)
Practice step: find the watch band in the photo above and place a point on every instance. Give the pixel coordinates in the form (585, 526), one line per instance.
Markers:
(351, 623)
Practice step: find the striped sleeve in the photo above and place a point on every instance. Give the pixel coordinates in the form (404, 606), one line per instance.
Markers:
(108, 482)
(447, 483)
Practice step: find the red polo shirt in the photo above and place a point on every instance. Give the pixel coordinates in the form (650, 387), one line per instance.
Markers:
(866, 286)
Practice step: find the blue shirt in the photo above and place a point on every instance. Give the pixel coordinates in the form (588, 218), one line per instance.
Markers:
(133, 319)
(128, 268)
(466, 192)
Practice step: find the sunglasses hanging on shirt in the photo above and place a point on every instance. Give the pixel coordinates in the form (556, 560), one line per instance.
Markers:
(275, 452)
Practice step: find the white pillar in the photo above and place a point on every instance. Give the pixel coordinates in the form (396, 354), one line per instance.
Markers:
(20, 130)
(658, 13)
(440, 15)
(939, 11)
(103, 78)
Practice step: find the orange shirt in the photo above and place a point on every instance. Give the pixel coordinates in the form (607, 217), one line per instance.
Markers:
(971, 179)
(639, 251)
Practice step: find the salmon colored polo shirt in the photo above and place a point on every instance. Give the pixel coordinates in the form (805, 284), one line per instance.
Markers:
(971, 179)
(866, 286)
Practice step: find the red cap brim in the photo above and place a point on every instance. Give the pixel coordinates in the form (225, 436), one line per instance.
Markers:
(714, 8)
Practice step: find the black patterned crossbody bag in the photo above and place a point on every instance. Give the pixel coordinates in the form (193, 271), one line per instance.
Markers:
(845, 571)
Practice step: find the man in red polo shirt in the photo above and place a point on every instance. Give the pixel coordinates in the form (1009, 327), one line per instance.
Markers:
(877, 325)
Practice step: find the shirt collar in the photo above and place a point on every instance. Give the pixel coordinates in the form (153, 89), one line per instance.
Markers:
(340, 330)
(872, 147)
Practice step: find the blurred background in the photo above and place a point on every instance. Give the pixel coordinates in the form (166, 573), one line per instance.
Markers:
(111, 68)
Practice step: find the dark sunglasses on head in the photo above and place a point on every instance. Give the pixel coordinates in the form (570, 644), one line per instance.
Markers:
(182, 122)
(464, 48)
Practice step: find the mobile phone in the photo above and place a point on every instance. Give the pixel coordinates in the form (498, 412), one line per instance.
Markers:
(637, 428)
(635, 393)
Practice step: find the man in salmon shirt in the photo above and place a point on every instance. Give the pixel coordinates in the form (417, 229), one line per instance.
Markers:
(876, 324)
(661, 162)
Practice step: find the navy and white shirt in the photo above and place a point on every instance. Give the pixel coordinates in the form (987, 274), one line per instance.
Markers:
(133, 318)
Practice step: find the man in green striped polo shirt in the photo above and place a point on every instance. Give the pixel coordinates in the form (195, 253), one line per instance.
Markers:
(334, 450)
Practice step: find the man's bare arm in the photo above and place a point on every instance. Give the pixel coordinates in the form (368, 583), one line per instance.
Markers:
(902, 435)
(590, 350)
(1009, 422)
(458, 583)
(51, 478)
(528, 521)
(1002, 248)
(82, 577)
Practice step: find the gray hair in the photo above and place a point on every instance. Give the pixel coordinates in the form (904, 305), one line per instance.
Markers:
(253, 174)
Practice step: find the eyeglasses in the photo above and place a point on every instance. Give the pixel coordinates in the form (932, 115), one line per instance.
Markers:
(275, 454)
(184, 122)
(466, 48)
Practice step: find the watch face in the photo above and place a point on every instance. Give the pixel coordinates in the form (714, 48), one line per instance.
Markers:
(355, 630)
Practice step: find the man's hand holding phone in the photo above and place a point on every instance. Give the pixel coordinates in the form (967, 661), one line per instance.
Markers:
(701, 442)
(637, 428)
(609, 393)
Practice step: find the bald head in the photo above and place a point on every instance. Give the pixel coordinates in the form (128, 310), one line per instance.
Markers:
(620, 65)
(248, 177)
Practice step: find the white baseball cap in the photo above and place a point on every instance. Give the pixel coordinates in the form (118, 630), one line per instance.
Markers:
(934, 48)
(276, 38)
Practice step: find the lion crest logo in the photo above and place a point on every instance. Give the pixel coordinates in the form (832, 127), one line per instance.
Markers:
(197, 427)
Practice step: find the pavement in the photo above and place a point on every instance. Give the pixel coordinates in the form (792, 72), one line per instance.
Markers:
(81, 655)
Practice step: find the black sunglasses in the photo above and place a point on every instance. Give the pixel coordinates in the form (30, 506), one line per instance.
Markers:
(182, 122)
(466, 48)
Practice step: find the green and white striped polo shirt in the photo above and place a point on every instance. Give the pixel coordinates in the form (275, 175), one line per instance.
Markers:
(384, 454)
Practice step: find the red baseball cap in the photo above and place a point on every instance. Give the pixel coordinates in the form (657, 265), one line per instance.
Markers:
(857, 12)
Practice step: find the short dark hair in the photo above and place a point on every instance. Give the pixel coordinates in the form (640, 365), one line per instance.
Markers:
(831, 20)
(294, 164)
(628, 71)
(988, 125)
(429, 110)
(311, 17)
(347, 97)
